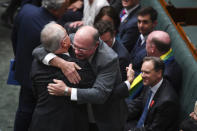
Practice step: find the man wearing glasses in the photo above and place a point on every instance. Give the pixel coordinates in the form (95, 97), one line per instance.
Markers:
(107, 115)
(65, 115)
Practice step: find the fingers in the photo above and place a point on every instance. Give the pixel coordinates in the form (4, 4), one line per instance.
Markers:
(74, 77)
(57, 81)
(77, 67)
(130, 66)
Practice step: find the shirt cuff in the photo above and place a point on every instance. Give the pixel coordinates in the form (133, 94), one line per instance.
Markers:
(48, 58)
(73, 94)
(128, 84)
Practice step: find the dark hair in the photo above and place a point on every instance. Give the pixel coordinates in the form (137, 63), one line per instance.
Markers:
(160, 45)
(111, 12)
(104, 26)
(188, 125)
(157, 62)
(148, 11)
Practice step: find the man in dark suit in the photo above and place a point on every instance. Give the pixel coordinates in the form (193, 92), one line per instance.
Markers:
(60, 112)
(156, 109)
(107, 34)
(128, 30)
(25, 37)
(108, 115)
(147, 20)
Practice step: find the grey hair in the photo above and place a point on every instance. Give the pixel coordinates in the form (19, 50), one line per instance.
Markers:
(51, 37)
(52, 4)
(96, 37)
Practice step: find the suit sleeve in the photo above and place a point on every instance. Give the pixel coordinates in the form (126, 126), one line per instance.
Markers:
(103, 85)
(39, 53)
(120, 92)
(135, 107)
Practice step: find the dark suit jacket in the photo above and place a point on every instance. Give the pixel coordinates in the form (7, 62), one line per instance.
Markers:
(110, 115)
(174, 74)
(136, 57)
(163, 113)
(123, 57)
(25, 38)
(117, 4)
(128, 30)
(58, 112)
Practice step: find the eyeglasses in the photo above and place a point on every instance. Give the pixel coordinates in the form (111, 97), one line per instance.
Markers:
(64, 39)
(80, 49)
(126, 0)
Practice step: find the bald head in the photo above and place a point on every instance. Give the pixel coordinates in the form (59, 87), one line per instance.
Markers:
(86, 41)
(161, 41)
(88, 34)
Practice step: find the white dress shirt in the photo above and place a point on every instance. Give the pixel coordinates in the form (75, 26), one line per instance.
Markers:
(90, 11)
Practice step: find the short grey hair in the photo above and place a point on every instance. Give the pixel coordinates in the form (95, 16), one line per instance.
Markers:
(51, 37)
(52, 4)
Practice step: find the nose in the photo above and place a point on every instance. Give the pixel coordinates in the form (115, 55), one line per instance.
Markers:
(143, 75)
(140, 24)
(77, 51)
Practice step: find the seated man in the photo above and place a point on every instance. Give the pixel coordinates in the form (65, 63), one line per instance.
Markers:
(156, 108)
(58, 112)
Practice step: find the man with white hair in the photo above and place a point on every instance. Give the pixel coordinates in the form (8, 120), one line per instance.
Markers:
(67, 115)
(107, 114)
(25, 37)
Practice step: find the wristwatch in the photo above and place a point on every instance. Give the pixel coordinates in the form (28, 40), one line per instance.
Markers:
(66, 91)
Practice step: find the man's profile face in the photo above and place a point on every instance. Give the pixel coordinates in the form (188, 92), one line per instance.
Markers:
(128, 3)
(145, 24)
(107, 38)
(149, 75)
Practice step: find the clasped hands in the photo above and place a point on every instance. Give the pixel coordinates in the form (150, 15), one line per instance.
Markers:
(57, 88)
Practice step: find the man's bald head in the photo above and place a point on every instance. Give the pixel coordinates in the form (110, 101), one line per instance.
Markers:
(161, 41)
(86, 41)
(87, 33)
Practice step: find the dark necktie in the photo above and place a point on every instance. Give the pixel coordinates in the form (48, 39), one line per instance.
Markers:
(143, 116)
(139, 41)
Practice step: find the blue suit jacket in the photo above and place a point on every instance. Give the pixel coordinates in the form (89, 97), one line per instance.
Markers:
(137, 55)
(128, 30)
(25, 37)
(123, 57)
(173, 73)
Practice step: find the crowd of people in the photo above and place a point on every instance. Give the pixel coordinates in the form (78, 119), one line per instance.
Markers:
(94, 65)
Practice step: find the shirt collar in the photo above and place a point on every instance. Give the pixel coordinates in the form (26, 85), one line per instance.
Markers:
(113, 42)
(143, 38)
(132, 9)
(156, 87)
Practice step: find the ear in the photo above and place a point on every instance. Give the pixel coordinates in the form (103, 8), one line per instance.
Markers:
(160, 73)
(97, 44)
